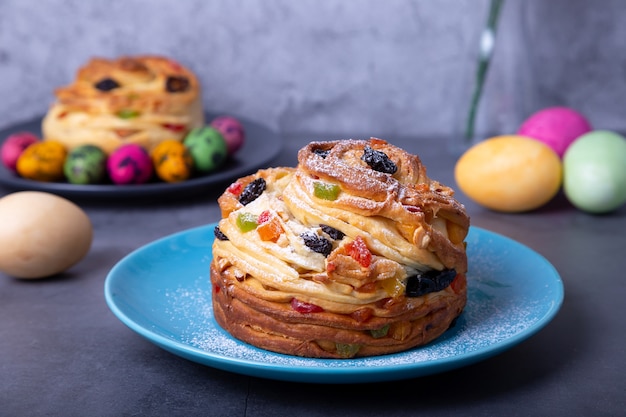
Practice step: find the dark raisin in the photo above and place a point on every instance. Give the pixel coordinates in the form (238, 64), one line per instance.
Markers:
(252, 191)
(321, 152)
(430, 281)
(317, 243)
(219, 235)
(106, 84)
(176, 84)
(332, 232)
(378, 161)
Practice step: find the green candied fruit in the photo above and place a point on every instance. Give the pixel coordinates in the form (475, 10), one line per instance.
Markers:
(127, 114)
(246, 222)
(378, 333)
(326, 191)
(347, 350)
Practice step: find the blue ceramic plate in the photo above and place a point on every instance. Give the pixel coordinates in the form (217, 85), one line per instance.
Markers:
(162, 291)
(260, 147)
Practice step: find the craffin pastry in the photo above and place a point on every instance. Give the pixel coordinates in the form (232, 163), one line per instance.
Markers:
(355, 252)
(132, 99)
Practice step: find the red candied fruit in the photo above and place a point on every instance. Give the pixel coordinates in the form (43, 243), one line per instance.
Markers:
(174, 127)
(235, 188)
(264, 216)
(302, 307)
(358, 250)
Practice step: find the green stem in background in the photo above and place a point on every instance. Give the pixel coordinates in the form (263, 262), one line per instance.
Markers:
(487, 42)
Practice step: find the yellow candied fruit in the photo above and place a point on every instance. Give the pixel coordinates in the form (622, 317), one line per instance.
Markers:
(393, 286)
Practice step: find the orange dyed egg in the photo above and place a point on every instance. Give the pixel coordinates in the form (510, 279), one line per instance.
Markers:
(172, 161)
(509, 173)
(42, 161)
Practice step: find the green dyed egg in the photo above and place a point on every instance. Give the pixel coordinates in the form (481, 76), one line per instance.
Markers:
(207, 148)
(594, 172)
(85, 165)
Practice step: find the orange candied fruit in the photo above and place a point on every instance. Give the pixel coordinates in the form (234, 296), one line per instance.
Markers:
(269, 228)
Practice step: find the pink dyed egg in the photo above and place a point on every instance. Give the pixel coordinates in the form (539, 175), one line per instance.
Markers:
(13, 147)
(232, 131)
(557, 127)
(129, 164)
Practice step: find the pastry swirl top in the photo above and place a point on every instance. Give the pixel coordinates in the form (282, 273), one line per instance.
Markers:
(422, 210)
(141, 86)
(140, 99)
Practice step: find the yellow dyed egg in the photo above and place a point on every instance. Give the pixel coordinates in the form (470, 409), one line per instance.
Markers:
(172, 161)
(509, 173)
(42, 234)
(42, 161)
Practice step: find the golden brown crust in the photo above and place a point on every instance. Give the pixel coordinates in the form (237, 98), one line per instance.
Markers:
(380, 233)
(148, 99)
(277, 327)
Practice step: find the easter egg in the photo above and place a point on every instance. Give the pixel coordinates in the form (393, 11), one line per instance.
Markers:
(232, 131)
(42, 234)
(207, 148)
(13, 147)
(509, 173)
(594, 172)
(129, 164)
(42, 161)
(557, 127)
(85, 164)
(172, 161)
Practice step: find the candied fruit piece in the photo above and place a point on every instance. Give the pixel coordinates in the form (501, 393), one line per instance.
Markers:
(127, 114)
(358, 250)
(378, 333)
(235, 188)
(246, 222)
(326, 191)
(269, 230)
(347, 350)
(302, 307)
(393, 286)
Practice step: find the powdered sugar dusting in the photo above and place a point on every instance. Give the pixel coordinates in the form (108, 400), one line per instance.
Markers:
(491, 317)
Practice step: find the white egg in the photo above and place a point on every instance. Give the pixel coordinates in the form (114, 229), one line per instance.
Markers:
(42, 234)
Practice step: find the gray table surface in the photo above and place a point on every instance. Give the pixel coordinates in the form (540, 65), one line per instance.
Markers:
(64, 353)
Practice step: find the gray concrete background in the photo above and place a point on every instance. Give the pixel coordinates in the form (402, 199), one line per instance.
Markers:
(333, 67)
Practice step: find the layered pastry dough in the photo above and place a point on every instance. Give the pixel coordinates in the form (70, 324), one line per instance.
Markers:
(355, 252)
(134, 99)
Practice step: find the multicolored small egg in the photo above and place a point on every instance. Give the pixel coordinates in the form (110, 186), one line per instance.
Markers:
(557, 127)
(509, 173)
(594, 172)
(13, 147)
(207, 148)
(232, 131)
(172, 161)
(85, 164)
(129, 164)
(42, 161)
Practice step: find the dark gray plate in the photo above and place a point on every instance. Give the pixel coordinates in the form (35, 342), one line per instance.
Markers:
(261, 146)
